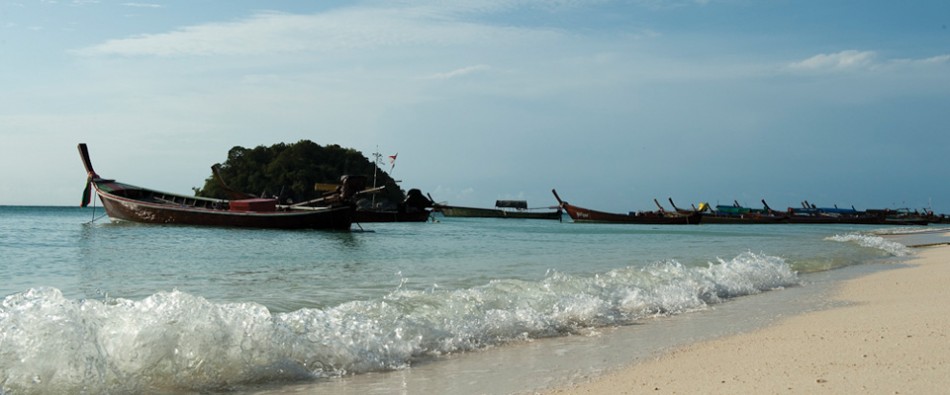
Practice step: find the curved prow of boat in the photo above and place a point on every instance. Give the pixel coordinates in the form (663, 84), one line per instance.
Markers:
(231, 192)
(585, 215)
(680, 210)
(560, 203)
(84, 154)
(90, 175)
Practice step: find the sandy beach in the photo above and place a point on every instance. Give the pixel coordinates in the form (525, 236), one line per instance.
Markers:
(890, 336)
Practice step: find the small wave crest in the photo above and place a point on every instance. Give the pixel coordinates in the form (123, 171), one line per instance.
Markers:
(892, 248)
(175, 341)
(910, 230)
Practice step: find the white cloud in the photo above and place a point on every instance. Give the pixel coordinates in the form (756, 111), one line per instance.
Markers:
(493, 6)
(844, 60)
(459, 72)
(853, 60)
(938, 59)
(354, 28)
(143, 5)
(934, 60)
(670, 4)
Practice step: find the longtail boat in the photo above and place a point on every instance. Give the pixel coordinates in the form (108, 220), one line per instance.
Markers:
(737, 214)
(503, 209)
(136, 204)
(812, 214)
(585, 215)
(415, 208)
(904, 216)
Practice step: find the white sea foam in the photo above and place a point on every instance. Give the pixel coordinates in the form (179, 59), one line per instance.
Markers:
(174, 341)
(911, 230)
(892, 248)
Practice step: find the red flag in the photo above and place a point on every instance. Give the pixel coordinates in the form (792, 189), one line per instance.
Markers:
(392, 162)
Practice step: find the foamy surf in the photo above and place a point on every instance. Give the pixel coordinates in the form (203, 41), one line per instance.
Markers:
(890, 247)
(175, 341)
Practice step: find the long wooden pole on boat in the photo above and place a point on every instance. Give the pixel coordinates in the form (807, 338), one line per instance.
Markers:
(232, 193)
(331, 195)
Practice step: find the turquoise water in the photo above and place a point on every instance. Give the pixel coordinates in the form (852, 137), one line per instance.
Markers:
(97, 306)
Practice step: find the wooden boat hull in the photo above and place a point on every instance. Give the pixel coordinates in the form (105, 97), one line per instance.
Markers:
(585, 215)
(123, 208)
(473, 212)
(744, 219)
(828, 219)
(907, 221)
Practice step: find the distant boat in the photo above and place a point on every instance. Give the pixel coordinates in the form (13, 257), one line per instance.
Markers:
(811, 214)
(904, 216)
(736, 214)
(585, 215)
(503, 209)
(136, 204)
(415, 208)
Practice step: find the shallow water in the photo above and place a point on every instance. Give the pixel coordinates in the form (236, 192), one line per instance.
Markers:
(119, 307)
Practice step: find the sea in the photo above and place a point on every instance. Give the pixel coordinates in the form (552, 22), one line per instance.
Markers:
(453, 305)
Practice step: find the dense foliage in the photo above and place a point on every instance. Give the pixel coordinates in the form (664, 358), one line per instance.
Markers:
(291, 172)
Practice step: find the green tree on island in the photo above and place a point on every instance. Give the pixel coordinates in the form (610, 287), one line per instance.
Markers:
(291, 172)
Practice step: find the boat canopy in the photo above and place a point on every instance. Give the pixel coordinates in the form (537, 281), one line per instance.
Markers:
(519, 204)
(732, 209)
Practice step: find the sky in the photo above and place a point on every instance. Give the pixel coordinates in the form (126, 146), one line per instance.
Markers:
(613, 103)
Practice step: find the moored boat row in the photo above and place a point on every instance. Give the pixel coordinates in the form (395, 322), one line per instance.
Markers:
(338, 208)
(736, 214)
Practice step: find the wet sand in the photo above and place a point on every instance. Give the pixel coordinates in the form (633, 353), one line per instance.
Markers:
(873, 328)
(888, 334)
(559, 364)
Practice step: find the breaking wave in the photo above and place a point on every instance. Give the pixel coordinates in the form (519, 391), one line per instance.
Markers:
(175, 341)
(873, 241)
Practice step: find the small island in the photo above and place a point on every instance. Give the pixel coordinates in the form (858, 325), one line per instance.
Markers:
(299, 172)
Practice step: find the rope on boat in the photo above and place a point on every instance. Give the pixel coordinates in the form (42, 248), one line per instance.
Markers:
(98, 218)
(94, 218)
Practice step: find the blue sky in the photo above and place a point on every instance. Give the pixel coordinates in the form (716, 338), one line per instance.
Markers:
(613, 103)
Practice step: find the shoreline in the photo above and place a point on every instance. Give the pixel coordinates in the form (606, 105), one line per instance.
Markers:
(566, 364)
(887, 332)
